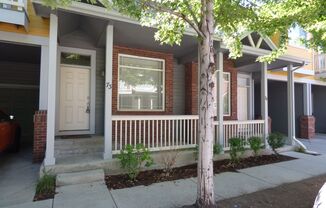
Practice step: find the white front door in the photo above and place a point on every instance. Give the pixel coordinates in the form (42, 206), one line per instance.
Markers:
(242, 103)
(74, 99)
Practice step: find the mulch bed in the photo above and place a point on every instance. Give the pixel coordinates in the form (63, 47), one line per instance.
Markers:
(45, 196)
(154, 176)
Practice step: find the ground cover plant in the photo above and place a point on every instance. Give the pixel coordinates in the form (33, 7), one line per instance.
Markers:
(45, 187)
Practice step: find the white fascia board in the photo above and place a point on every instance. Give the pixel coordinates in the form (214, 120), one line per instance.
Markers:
(23, 38)
(300, 71)
(97, 11)
(261, 52)
(296, 80)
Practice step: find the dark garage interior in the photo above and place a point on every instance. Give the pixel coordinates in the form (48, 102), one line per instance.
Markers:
(19, 85)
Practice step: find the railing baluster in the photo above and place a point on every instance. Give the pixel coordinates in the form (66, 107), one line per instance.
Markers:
(173, 132)
(130, 132)
(161, 124)
(149, 133)
(120, 134)
(115, 136)
(191, 131)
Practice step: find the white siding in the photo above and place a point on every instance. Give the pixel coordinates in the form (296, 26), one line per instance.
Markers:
(178, 88)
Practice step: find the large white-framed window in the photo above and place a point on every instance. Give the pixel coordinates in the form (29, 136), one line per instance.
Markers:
(227, 94)
(141, 83)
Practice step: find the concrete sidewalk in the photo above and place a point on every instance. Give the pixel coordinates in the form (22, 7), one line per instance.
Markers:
(183, 192)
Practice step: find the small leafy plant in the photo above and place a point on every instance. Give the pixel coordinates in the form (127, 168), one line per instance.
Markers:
(133, 159)
(45, 185)
(236, 149)
(276, 140)
(255, 144)
(217, 149)
(168, 162)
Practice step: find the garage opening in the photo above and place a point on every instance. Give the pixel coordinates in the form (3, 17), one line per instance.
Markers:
(19, 85)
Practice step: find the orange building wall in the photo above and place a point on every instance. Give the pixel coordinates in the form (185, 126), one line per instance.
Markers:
(37, 26)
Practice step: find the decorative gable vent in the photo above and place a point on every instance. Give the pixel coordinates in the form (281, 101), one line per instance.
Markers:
(14, 12)
(255, 40)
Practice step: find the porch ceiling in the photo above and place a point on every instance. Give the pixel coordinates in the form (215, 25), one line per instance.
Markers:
(125, 34)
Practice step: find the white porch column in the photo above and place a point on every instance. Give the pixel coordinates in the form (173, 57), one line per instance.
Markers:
(291, 106)
(307, 99)
(108, 94)
(264, 100)
(220, 112)
(52, 74)
(43, 91)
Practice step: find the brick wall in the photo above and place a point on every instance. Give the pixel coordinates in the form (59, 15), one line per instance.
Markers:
(192, 88)
(168, 80)
(39, 135)
(307, 127)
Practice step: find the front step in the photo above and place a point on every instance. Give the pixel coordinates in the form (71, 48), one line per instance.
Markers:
(82, 177)
(78, 146)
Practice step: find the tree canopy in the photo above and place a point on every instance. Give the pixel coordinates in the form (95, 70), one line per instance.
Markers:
(233, 19)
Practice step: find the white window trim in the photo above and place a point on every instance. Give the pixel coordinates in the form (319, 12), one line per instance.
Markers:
(229, 97)
(144, 68)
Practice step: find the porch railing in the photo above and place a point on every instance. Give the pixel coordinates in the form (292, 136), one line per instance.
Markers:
(161, 132)
(242, 129)
(167, 132)
(320, 63)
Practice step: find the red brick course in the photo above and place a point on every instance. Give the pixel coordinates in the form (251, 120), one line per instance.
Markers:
(307, 127)
(39, 145)
(191, 86)
(168, 79)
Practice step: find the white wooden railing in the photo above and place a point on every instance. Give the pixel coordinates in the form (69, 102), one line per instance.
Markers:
(159, 132)
(166, 132)
(241, 129)
(320, 63)
(19, 5)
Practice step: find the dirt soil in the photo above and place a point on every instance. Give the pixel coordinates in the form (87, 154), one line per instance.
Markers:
(154, 176)
(293, 195)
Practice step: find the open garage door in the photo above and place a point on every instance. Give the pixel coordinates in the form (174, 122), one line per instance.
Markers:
(19, 85)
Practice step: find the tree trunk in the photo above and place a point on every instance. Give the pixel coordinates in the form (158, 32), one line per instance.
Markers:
(205, 189)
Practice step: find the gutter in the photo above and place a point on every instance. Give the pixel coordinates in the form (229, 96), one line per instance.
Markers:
(294, 138)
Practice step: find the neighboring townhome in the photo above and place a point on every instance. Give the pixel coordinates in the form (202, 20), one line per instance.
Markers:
(103, 82)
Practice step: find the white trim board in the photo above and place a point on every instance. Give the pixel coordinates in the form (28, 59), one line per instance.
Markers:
(297, 80)
(91, 53)
(23, 38)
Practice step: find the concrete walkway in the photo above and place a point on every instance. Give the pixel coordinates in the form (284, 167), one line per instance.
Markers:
(18, 176)
(316, 144)
(183, 192)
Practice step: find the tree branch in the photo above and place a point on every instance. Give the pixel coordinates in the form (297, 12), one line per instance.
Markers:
(160, 8)
(191, 12)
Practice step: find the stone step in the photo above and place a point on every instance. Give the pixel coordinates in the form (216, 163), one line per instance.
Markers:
(82, 177)
(78, 146)
(79, 141)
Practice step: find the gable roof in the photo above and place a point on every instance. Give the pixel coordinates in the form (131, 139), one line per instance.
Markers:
(256, 40)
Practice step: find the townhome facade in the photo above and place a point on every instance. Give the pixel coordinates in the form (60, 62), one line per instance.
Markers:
(104, 82)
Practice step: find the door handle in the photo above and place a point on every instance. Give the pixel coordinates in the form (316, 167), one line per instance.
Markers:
(88, 109)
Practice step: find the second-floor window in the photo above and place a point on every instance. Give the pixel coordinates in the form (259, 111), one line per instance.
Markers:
(297, 35)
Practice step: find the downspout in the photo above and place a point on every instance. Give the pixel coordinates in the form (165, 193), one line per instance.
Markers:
(294, 138)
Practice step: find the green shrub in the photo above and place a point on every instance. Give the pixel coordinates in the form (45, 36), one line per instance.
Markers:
(255, 144)
(46, 184)
(276, 140)
(217, 149)
(132, 159)
(236, 148)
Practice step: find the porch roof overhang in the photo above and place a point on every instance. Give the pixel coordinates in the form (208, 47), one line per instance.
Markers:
(185, 53)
